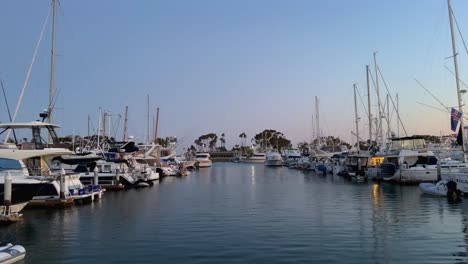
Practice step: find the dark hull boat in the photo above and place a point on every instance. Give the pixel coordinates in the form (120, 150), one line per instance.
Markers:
(24, 192)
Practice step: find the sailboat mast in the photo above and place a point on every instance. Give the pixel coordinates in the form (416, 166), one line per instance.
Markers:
(125, 124)
(52, 62)
(147, 119)
(156, 128)
(379, 135)
(398, 114)
(99, 129)
(317, 120)
(369, 105)
(356, 118)
(389, 132)
(454, 48)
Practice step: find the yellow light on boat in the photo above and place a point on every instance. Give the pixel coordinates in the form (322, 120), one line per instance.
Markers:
(375, 160)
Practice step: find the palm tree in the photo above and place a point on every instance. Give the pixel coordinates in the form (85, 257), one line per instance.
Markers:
(223, 140)
(242, 136)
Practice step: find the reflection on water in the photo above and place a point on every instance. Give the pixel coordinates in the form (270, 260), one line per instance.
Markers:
(249, 213)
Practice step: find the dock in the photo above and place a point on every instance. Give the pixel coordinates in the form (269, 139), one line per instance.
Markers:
(220, 156)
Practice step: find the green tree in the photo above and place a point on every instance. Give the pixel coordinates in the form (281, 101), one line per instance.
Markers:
(209, 140)
(270, 138)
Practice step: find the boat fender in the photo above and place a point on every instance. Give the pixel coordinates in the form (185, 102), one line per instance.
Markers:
(453, 194)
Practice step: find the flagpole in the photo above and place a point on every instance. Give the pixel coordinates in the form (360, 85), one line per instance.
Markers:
(454, 48)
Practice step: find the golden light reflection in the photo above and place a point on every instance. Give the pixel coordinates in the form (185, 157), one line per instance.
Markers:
(375, 194)
(253, 175)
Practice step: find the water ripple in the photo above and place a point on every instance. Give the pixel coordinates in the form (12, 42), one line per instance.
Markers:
(243, 213)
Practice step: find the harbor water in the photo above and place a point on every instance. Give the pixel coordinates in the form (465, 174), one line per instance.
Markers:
(249, 213)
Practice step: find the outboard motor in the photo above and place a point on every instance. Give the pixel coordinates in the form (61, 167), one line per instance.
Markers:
(453, 194)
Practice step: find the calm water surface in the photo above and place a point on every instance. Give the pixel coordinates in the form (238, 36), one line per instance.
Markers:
(243, 213)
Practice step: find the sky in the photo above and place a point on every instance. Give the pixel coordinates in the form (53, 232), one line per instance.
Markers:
(232, 66)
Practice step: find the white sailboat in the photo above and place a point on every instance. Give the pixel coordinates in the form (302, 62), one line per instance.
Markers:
(457, 173)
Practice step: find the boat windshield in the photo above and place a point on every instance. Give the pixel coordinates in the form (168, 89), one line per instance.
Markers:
(9, 164)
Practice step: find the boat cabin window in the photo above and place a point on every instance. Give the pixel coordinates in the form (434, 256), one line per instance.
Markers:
(409, 143)
(425, 160)
(107, 168)
(81, 168)
(9, 164)
(201, 156)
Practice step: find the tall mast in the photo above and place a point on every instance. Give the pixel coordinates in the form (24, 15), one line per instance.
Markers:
(313, 131)
(379, 120)
(369, 105)
(317, 119)
(454, 48)
(52, 68)
(147, 119)
(99, 129)
(88, 126)
(398, 115)
(52, 62)
(104, 123)
(356, 118)
(109, 127)
(156, 127)
(388, 117)
(125, 124)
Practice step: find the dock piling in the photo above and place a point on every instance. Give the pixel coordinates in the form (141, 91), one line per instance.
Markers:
(7, 192)
(96, 176)
(117, 176)
(62, 183)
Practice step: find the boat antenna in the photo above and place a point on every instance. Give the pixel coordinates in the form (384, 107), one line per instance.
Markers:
(8, 109)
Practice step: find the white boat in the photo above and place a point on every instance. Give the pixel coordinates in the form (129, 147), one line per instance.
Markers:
(256, 157)
(11, 253)
(29, 165)
(457, 172)
(203, 159)
(438, 189)
(410, 166)
(142, 169)
(273, 158)
(291, 156)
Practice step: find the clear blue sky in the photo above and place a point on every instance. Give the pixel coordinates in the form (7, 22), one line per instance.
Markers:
(231, 66)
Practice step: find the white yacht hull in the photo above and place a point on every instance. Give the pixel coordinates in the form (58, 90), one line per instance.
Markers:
(414, 175)
(252, 160)
(204, 163)
(273, 163)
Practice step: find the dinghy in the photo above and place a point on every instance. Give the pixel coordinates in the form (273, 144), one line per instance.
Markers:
(11, 254)
(438, 189)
